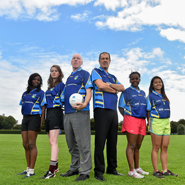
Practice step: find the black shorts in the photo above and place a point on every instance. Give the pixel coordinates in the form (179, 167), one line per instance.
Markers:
(54, 119)
(31, 122)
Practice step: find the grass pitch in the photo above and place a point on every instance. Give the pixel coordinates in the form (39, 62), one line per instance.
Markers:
(12, 161)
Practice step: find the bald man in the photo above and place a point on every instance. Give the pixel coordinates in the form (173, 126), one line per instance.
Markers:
(77, 121)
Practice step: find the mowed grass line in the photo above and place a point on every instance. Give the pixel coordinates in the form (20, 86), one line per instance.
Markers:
(12, 161)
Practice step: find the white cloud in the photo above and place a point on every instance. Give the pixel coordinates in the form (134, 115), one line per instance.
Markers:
(173, 34)
(80, 17)
(158, 13)
(14, 77)
(111, 4)
(43, 10)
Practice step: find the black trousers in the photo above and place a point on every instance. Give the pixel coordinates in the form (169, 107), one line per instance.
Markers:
(106, 128)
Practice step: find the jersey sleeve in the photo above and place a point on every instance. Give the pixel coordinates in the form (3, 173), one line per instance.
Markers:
(42, 100)
(62, 96)
(148, 103)
(121, 101)
(95, 75)
(20, 103)
(87, 81)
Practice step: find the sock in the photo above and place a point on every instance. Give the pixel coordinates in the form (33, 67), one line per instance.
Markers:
(27, 170)
(52, 166)
(31, 171)
(163, 171)
(57, 165)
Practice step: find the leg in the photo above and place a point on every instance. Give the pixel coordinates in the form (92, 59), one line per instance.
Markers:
(82, 132)
(102, 125)
(156, 144)
(136, 151)
(164, 152)
(26, 146)
(72, 144)
(112, 142)
(131, 139)
(53, 140)
(32, 136)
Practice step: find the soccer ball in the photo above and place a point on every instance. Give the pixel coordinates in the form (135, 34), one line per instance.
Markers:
(75, 98)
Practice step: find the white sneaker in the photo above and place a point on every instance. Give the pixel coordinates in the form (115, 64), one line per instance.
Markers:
(135, 174)
(141, 171)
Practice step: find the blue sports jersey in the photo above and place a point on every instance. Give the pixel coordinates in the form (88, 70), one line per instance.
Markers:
(158, 106)
(32, 102)
(134, 102)
(77, 82)
(102, 99)
(54, 96)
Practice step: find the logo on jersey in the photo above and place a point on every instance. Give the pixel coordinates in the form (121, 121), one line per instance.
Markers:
(33, 96)
(75, 77)
(51, 89)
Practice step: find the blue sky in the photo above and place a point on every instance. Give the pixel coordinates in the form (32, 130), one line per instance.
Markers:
(143, 35)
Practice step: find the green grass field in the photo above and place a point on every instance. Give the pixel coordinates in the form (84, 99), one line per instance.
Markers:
(12, 161)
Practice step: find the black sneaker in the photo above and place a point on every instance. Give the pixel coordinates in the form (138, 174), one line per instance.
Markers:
(82, 177)
(48, 175)
(168, 172)
(158, 174)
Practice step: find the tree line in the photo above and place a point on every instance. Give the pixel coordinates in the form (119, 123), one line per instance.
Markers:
(177, 127)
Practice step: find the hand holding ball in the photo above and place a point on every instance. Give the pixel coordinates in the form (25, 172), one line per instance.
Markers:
(75, 98)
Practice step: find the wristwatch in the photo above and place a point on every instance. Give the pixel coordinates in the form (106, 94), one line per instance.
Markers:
(110, 84)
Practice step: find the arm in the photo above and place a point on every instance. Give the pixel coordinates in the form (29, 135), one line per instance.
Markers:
(117, 87)
(148, 114)
(121, 110)
(42, 116)
(102, 86)
(81, 106)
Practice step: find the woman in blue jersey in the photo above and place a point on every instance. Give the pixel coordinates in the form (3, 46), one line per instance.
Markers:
(54, 116)
(132, 105)
(159, 125)
(33, 109)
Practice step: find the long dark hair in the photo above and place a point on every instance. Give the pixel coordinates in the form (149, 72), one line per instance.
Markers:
(151, 88)
(59, 79)
(30, 86)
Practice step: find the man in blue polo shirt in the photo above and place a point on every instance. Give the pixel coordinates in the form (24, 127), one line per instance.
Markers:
(77, 121)
(105, 86)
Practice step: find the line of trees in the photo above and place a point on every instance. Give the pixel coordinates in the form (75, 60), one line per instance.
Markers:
(7, 122)
(10, 123)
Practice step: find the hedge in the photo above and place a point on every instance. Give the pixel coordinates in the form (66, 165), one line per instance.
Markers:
(44, 132)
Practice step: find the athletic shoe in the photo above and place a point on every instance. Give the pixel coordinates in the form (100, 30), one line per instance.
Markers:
(135, 174)
(29, 175)
(141, 171)
(48, 175)
(168, 172)
(23, 173)
(158, 174)
(57, 170)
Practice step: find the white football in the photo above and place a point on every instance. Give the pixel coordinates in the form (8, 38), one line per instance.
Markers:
(75, 98)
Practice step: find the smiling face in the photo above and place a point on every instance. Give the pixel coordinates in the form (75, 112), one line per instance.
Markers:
(134, 80)
(104, 61)
(76, 62)
(157, 84)
(36, 82)
(54, 73)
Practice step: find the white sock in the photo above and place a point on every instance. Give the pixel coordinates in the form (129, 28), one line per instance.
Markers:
(31, 171)
(27, 169)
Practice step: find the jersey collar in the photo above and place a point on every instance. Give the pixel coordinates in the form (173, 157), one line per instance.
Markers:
(103, 70)
(157, 93)
(135, 89)
(33, 90)
(77, 70)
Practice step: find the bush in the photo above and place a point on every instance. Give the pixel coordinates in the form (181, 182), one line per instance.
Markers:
(181, 129)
